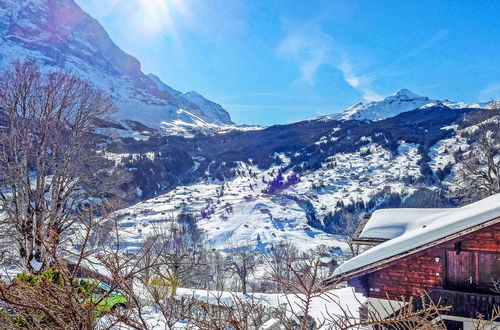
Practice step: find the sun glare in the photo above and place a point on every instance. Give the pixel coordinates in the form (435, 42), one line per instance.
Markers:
(161, 16)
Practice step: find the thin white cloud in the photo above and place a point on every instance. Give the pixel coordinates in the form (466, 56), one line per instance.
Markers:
(491, 92)
(361, 83)
(312, 48)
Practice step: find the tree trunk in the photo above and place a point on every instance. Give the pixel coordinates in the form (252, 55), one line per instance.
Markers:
(244, 285)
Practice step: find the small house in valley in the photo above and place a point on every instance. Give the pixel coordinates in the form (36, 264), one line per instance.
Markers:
(452, 255)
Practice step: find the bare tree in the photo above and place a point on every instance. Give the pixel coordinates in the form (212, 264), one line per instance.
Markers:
(280, 256)
(478, 174)
(495, 285)
(305, 287)
(352, 221)
(218, 269)
(492, 323)
(47, 155)
(56, 299)
(177, 245)
(402, 316)
(234, 312)
(301, 282)
(242, 263)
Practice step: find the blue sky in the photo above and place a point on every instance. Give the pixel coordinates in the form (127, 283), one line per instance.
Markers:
(280, 61)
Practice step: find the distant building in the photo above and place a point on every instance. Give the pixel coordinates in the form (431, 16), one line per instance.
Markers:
(452, 254)
(89, 267)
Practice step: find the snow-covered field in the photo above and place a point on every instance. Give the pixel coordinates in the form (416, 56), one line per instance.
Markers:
(238, 212)
(235, 212)
(358, 176)
(332, 304)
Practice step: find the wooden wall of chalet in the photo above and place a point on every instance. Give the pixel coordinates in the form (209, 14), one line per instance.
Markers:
(426, 270)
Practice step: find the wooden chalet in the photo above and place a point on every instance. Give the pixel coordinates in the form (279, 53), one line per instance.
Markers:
(87, 268)
(453, 255)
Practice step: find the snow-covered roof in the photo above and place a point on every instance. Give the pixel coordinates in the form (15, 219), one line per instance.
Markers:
(426, 227)
(90, 263)
(391, 223)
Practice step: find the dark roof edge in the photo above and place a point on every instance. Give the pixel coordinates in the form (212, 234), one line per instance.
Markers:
(361, 226)
(368, 241)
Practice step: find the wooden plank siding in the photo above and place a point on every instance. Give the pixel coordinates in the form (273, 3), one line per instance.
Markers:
(422, 271)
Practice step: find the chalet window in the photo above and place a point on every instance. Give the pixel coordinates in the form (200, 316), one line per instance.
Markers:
(452, 325)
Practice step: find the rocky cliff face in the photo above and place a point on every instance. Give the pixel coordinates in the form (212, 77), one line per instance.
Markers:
(60, 35)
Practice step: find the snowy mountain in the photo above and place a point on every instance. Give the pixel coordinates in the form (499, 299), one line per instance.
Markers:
(345, 169)
(401, 101)
(395, 148)
(58, 34)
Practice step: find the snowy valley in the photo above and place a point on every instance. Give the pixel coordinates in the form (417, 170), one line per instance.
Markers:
(127, 204)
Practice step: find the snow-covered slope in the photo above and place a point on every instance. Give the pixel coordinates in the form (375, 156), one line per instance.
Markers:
(346, 183)
(237, 211)
(59, 35)
(229, 213)
(401, 101)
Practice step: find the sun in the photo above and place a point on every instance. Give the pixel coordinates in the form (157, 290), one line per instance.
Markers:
(162, 16)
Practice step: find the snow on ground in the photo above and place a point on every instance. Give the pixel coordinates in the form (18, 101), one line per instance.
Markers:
(235, 212)
(358, 176)
(119, 157)
(442, 152)
(333, 303)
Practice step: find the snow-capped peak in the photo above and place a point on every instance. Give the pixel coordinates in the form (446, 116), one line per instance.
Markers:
(58, 34)
(407, 95)
(401, 101)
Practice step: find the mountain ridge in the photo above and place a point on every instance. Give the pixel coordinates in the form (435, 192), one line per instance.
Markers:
(344, 168)
(401, 101)
(58, 34)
